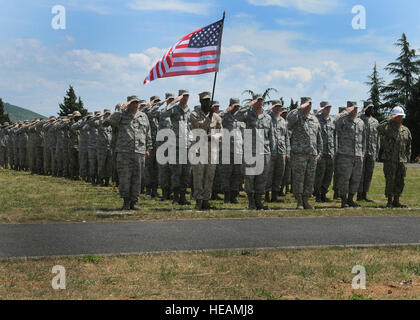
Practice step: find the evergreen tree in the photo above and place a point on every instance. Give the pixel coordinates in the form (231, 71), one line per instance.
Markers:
(71, 104)
(266, 96)
(405, 69)
(293, 105)
(4, 117)
(412, 121)
(376, 85)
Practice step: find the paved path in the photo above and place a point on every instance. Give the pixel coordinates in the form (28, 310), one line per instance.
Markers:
(34, 240)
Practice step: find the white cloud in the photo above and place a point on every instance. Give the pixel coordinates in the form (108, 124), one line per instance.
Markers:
(290, 22)
(295, 73)
(308, 6)
(171, 5)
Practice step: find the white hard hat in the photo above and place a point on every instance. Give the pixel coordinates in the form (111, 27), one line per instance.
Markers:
(398, 111)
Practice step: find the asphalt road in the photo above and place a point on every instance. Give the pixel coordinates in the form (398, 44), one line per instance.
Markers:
(36, 240)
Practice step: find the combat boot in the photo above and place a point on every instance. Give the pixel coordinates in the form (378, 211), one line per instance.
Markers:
(102, 182)
(148, 192)
(106, 184)
(126, 205)
(288, 189)
(267, 197)
(182, 200)
(94, 182)
(389, 204)
(233, 195)
(299, 202)
(154, 194)
(336, 196)
(364, 197)
(318, 197)
(133, 205)
(281, 193)
(274, 196)
(351, 202)
(206, 205)
(258, 202)
(251, 202)
(198, 205)
(360, 196)
(226, 197)
(176, 198)
(396, 203)
(306, 204)
(344, 203)
(215, 196)
(324, 198)
(164, 195)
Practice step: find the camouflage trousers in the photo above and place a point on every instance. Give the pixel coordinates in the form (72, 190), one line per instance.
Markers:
(10, 156)
(350, 173)
(39, 159)
(164, 176)
(23, 163)
(287, 177)
(60, 155)
(303, 172)
(217, 180)
(66, 161)
(151, 172)
(3, 157)
(83, 163)
(276, 173)
(53, 161)
(180, 176)
(31, 154)
(104, 163)
(73, 162)
(231, 175)
(130, 166)
(323, 175)
(203, 175)
(93, 163)
(395, 173)
(367, 173)
(47, 160)
(256, 184)
(114, 167)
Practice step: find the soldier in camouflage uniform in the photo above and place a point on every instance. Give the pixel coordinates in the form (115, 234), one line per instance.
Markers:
(92, 154)
(22, 142)
(396, 152)
(336, 173)
(72, 145)
(372, 151)
(3, 144)
(46, 146)
(306, 149)
(133, 144)
(207, 120)
(255, 119)
(351, 148)
(152, 170)
(103, 148)
(231, 172)
(217, 178)
(39, 146)
(325, 167)
(280, 151)
(31, 146)
(50, 131)
(114, 137)
(164, 169)
(83, 129)
(179, 113)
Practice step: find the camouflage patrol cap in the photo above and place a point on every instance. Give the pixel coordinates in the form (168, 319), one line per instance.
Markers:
(69, 115)
(64, 117)
(76, 114)
(351, 104)
(118, 107)
(131, 99)
(26, 122)
(142, 102)
(341, 109)
(107, 111)
(52, 117)
(169, 95)
(183, 92)
(154, 98)
(20, 122)
(6, 124)
(216, 103)
(97, 113)
(205, 95)
(258, 96)
(234, 102)
(304, 100)
(367, 104)
(89, 114)
(325, 104)
(277, 103)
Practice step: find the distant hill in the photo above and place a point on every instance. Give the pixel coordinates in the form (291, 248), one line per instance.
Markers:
(20, 114)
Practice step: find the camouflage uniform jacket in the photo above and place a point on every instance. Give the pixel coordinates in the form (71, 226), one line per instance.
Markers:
(180, 119)
(134, 134)
(81, 128)
(103, 141)
(231, 124)
(397, 142)
(328, 135)
(351, 135)
(372, 136)
(306, 137)
(281, 141)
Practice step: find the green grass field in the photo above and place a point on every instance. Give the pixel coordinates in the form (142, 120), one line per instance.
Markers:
(31, 198)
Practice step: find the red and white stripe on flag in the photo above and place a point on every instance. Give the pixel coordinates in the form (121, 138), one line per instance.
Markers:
(185, 58)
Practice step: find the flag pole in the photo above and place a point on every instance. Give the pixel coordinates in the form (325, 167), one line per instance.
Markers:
(218, 58)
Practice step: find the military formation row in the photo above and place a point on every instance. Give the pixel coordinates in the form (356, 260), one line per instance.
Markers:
(299, 148)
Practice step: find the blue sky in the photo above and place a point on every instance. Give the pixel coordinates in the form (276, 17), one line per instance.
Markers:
(300, 47)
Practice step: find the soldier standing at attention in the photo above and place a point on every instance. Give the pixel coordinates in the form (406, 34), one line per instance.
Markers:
(325, 168)
(280, 150)
(82, 128)
(256, 119)
(351, 150)
(92, 154)
(336, 173)
(372, 150)
(396, 152)
(179, 114)
(203, 173)
(114, 137)
(231, 173)
(103, 149)
(133, 144)
(306, 149)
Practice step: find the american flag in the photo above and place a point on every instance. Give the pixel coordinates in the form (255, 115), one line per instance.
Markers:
(196, 53)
